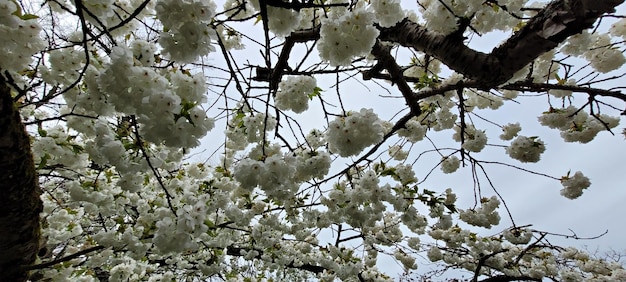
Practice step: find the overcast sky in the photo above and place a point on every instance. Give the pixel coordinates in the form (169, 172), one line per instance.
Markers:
(532, 199)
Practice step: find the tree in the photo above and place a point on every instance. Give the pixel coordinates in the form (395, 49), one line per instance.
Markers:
(113, 95)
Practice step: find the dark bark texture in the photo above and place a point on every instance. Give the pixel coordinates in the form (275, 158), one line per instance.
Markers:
(20, 204)
(545, 31)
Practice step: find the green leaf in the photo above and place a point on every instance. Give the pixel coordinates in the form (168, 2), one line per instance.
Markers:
(316, 92)
(44, 161)
(29, 17)
(77, 148)
(17, 12)
(427, 81)
(388, 172)
(209, 223)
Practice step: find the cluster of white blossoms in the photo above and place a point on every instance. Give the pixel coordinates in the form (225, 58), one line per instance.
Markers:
(562, 118)
(315, 139)
(187, 34)
(106, 149)
(109, 13)
(397, 153)
(311, 164)
(618, 28)
(437, 111)
(526, 149)
(274, 175)
(450, 164)
(413, 130)
(481, 100)
(438, 18)
(576, 125)
(64, 66)
(231, 39)
(167, 106)
(246, 129)
(442, 16)
(485, 216)
(596, 48)
(580, 265)
(345, 35)
(510, 130)
(20, 38)
(388, 12)
(282, 21)
(602, 55)
(577, 44)
(518, 236)
(474, 139)
(349, 135)
(116, 174)
(294, 93)
(57, 147)
(573, 186)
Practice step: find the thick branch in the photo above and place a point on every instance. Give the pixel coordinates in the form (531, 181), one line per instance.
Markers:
(397, 77)
(236, 251)
(508, 278)
(551, 26)
(448, 49)
(274, 75)
(63, 259)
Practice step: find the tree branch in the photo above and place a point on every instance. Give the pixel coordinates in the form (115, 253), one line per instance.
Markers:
(63, 259)
(545, 31)
(508, 278)
(388, 62)
(236, 251)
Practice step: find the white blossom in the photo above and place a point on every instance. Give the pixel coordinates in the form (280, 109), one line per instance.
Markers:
(388, 12)
(346, 35)
(573, 186)
(413, 130)
(526, 149)
(603, 56)
(510, 130)
(294, 93)
(485, 216)
(518, 235)
(450, 164)
(349, 135)
(187, 34)
(397, 153)
(474, 140)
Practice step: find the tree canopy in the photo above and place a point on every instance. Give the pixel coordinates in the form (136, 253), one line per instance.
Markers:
(189, 140)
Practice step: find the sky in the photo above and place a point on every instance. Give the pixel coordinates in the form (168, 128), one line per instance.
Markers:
(531, 199)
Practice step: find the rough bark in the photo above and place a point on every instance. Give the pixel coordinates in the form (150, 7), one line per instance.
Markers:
(20, 204)
(545, 31)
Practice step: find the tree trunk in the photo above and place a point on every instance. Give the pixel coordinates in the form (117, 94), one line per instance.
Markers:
(20, 204)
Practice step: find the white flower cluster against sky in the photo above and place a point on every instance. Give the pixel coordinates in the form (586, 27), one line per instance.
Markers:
(155, 141)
